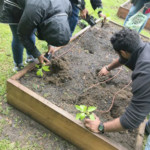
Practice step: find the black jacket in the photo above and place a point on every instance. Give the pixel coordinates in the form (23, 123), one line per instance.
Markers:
(139, 106)
(50, 18)
(81, 3)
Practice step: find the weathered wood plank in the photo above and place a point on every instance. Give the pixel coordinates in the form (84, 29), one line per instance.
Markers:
(56, 119)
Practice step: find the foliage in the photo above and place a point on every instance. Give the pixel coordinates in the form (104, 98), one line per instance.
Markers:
(85, 112)
(41, 68)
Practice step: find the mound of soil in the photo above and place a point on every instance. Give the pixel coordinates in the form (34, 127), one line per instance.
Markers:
(73, 80)
(59, 72)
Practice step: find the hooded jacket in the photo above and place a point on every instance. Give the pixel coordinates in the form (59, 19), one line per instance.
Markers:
(49, 17)
(139, 107)
(81, 3)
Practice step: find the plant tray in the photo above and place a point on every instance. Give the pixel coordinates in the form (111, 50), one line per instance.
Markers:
(123, 12)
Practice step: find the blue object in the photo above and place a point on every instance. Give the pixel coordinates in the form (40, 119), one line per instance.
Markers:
(17, 47)
(73, 19)
(135, 8)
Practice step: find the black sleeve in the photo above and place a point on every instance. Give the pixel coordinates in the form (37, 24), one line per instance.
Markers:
(96, 4)
(139, 107)
(29, 21)
(122, 60)
(80, 3)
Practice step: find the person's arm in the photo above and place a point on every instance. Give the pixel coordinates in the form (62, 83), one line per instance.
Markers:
(110, 126)
(138, 108)
(30, 19)
(96, 4)
(80, 3)
(28, 22)
(106, 69)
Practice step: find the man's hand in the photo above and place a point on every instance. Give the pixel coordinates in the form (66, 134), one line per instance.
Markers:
(42, 59)
(103, 72)
(51, 49)
(83, 13)
(102, 15)
(92, 125)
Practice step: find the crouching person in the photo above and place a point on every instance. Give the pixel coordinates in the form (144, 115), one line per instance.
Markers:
(135, 54)
(48, 18)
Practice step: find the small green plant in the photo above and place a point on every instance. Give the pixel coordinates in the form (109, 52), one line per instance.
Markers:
(41, 69)
(85, 112)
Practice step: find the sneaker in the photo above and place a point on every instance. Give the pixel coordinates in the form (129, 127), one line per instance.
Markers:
(29, 59)
(18, 67)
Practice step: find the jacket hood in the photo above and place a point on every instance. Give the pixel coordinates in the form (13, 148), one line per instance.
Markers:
(55, 30)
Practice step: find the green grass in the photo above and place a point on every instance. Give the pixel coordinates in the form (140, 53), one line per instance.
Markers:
(6, 144)
(6, 61)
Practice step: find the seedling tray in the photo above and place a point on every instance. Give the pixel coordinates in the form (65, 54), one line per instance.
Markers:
(123, 12)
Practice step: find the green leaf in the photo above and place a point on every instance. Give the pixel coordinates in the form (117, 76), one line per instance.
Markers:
(39, 73)
(46, 68)
(91, 108)
(78, 107)
(78, 116)
(37, 66)
(92, 117)
(83, 108)
(82, 116)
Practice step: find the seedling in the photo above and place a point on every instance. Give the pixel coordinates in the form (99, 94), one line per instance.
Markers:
(85, 112)
(41, 69)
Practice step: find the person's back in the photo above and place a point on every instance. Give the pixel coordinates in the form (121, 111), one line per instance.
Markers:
(48, 17)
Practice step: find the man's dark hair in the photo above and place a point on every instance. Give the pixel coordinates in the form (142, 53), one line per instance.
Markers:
(126, 39)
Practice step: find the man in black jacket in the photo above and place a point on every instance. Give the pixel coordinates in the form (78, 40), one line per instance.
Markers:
(50, 18)
(79, 5)
(135, 54)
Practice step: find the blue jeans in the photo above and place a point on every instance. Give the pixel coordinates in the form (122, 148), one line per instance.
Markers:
(73, 19)
(17, 47)
(135, 8)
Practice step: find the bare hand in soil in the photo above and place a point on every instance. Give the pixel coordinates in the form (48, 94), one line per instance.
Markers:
(103, 72)
(102, 15)
(92, 125)
(42, 59)
(104, 20)
(51, 49)
(83, 13)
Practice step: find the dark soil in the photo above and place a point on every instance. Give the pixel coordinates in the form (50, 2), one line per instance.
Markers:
(72, 76)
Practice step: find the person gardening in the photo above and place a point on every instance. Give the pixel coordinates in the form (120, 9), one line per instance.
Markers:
(136, 6)
(48, 19)
(135, 54)
(79, 6)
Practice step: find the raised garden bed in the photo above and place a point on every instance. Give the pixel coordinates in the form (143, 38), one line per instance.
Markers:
(123, 12)
(50, 100)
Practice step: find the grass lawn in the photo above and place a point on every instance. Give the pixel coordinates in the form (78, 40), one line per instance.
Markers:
(6, 61)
